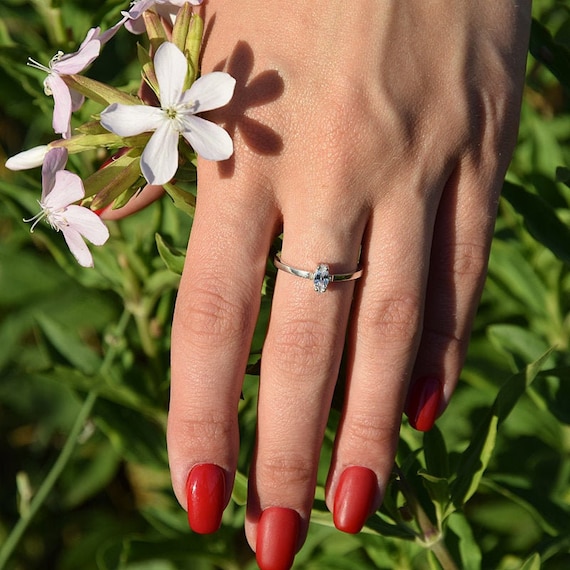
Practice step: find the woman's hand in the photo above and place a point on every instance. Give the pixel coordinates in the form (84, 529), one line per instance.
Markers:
(376, 131)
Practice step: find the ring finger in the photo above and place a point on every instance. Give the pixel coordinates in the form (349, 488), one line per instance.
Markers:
(300, 364)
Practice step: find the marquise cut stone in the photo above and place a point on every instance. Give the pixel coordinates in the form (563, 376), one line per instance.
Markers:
(321, 278)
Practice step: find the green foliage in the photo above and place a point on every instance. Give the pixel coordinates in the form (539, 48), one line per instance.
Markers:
(489, 487)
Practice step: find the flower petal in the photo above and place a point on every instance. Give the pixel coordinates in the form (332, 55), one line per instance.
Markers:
(78, 61)
(210, 91)
(92, 34)
(87, 223)
(28, 158)
(55, 160)
(76, 99)
(138, 8)
(67, 188)
(136, 26)
(110, 33)
(171, 68)
(77, 246)
(159, 160)
(209, 140)
(62, 104)
(130, 120)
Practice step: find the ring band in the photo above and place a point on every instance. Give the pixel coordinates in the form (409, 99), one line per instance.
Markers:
(321, 276)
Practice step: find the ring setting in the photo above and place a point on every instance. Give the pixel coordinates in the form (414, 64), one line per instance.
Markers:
(321, 276)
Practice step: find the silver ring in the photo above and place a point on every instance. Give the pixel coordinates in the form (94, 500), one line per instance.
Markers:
(321, 276)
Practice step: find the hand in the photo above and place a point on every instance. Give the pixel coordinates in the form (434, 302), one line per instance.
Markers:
(377, 130)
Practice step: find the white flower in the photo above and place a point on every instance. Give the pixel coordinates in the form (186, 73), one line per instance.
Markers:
(28, 158)
(166, 8)
(60, 189)
(176, 116)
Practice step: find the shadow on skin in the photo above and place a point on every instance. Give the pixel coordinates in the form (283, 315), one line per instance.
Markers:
(264, 88)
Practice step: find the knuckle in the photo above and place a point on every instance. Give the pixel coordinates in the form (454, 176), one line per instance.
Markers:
(210, 317)
(365, 430)
(464, 259)
(396, 319)
(301, 347)
(278, 470)
(208, 431)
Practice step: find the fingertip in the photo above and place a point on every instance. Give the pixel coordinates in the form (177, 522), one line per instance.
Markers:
(206, 497)
(355, 498)
(424, 403)
(277, 539)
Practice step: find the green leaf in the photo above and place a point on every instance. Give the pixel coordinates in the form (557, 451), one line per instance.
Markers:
(475, 458)
(532, 563)
(119, 393)
(183, 199)
(239, 492)
(523, 343)
(512, 271)
(435, 453)
(555, 56)
(517, 496)
(563, 175)
(462, 543)
(540, 220)
(69, 345)
(133, 435)
(438, 490)
(91, 475)
(172, 257)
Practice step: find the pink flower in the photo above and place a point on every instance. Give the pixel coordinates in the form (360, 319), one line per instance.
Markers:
(67, 100)
(60, 189)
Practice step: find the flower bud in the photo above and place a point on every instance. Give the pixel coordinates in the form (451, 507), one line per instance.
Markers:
(28, 158)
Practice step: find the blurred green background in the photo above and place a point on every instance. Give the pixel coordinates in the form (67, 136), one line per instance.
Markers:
(488, 488)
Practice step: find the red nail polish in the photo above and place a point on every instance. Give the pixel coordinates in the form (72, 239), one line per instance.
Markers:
(277, 538)
(423, 403)
(354, 498)
(206, 496)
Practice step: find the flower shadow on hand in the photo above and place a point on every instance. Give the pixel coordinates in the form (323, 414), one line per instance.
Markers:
(264, 88)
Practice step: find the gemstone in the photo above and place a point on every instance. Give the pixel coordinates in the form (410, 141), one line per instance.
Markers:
(321, 278)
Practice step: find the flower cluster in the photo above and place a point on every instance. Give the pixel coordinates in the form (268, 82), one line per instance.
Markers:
(151, 134)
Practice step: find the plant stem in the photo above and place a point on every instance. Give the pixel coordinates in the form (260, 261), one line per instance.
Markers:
(47, 484)
(431, 536)
(52, 22)
(13, 539)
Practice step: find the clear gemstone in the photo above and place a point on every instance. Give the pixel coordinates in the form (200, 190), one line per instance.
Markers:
(321, 278)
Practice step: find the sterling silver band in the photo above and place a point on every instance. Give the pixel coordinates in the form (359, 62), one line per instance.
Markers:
(321, 277)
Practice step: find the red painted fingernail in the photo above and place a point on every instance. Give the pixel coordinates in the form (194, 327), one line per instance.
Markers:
(277, 538)
(423, 403)
(206, 496)
(354, 498)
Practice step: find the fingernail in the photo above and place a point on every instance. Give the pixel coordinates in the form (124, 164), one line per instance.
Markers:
(423, 403)
(277, 538)
(206, 496)
(354, 498)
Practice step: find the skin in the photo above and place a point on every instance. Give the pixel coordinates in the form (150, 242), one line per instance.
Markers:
(379, 124)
